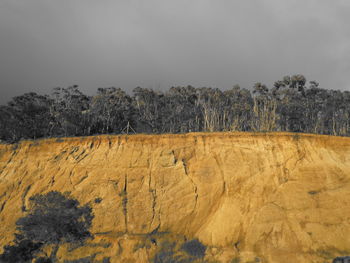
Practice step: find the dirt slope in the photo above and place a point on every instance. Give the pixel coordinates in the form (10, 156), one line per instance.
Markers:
(274, 197)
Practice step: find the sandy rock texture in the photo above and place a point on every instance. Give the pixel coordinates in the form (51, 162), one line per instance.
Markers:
(249, 197)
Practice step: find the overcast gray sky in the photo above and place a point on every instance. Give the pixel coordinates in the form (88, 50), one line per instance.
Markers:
(161, 43)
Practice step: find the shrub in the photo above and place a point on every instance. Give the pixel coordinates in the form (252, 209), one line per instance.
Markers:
(190, 251)
(194, 248)
(53, 219)
(166, 253)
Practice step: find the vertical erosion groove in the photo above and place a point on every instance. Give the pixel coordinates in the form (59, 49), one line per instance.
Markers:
(154, 199)
(24, 208)
(195, 188)
(125, 203)
(220, 165)
(2, 206)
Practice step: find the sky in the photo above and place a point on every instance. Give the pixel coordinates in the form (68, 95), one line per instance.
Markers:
(162, 43)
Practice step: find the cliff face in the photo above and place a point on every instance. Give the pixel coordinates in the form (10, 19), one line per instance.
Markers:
(273, 197)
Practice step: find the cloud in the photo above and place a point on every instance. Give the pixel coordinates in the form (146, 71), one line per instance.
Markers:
(159, 43)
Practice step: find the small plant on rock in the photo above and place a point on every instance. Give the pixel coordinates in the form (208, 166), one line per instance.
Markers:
(194, 248)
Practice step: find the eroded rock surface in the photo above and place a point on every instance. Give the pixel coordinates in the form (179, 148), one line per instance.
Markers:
(274, 197)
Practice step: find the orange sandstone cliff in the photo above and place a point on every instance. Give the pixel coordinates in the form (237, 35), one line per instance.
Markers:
(248, 197)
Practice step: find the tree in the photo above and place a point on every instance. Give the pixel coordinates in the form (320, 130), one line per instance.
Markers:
(9, 125)
(31, 114)
(111, 110)
(182, 112)
(211, 102)
(265, 109)
(239, 105)
(149, 105)
(54, 219)
(70, 108)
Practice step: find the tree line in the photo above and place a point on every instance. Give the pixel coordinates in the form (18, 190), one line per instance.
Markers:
(292, 104)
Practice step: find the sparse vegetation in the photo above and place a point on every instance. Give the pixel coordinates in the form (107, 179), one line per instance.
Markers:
(98, 200)
(194, 248)
(178, 252)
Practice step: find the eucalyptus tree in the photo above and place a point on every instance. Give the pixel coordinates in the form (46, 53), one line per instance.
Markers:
(337, 112)
(264, 110)
(31, 114)
(70, 110)
(9, 125)
(239, 107)
(314, 108)
(148, 105)
(290, 93)
(182, 110)
(111, 110)
(211, 102)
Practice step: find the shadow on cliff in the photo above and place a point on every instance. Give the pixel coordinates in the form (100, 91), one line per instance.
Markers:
(53, 219)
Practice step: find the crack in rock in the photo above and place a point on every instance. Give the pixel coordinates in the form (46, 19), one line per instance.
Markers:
(193, 184)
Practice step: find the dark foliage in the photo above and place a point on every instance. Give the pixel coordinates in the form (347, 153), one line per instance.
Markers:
(166, 254)
(341, 259)
(88, 260)
(81, 260)
(170, 252)
(292, 104)
(53, 219)
(194, 248)
(21, 252)
(43, 260)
